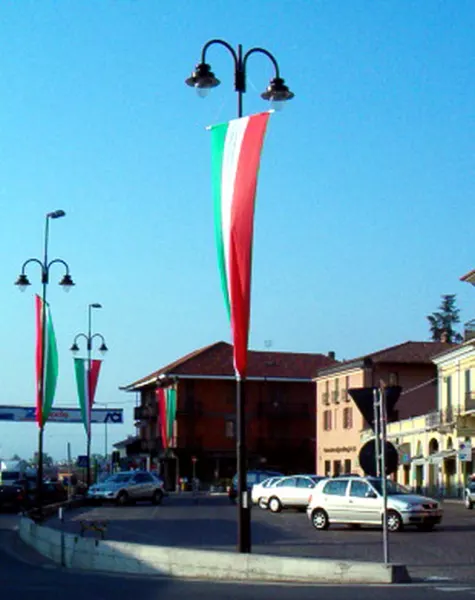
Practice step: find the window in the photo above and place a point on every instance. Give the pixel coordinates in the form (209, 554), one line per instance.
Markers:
(143, 478)
(327, 420)
(348, 417)
(335, 419)
(305, 482)
(337, 385)
(328, 468)
(467, 382)
(448, 384)
(229, 429)
(287, 482)
(347, 466)
(336, 487)
(393, 379)
(359, 489)
(336, 468)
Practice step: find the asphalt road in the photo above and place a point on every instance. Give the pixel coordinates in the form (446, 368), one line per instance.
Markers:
(445, 554)
(24, 574)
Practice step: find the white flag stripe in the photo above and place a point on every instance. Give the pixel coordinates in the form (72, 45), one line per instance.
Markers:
(232, 151)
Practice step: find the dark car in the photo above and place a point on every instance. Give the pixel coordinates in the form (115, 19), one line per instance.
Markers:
(253, 477)
(11, 497)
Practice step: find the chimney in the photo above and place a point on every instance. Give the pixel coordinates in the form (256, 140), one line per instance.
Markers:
(444, 338)
(331, 355)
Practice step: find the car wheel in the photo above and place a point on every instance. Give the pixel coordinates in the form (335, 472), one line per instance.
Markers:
(262, 504)
(320, 519)
(157, 497)
(274, 505)
(425, 526)
(394, 521)
(468, 503)
(122, 499)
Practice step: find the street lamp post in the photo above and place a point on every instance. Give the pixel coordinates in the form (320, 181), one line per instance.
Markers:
(23, 282)
(89, 337)
(203, 80)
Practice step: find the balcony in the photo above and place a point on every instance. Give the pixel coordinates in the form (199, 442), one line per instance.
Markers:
(326, 398)
(344, 395)
(433, 420)
(336, 397)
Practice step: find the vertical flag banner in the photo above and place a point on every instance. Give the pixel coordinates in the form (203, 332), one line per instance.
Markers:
(166, 401)
(86, 383)
(46, 362)
(236, 150)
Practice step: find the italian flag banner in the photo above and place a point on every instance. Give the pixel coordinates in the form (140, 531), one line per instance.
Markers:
(236, 150)
(166, 401)
(86, 380)
(46, 362)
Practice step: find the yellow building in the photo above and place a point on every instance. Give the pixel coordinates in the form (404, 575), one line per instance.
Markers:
(433, 447)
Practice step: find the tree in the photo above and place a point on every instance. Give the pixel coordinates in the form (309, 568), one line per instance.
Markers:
(442, 322)
(47, 460)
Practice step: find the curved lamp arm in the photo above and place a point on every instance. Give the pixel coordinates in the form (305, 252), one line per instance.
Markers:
(266, 53)
(220, 43)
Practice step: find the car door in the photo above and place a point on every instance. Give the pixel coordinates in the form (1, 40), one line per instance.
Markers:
(285, 490)
(364, 503)
(303, 490)
(135, 487)
(149, 485)
(334, 499)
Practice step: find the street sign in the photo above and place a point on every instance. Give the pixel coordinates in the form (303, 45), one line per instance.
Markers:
(364, 400)
(27, 414)
(367, 458)
(82, 461)
(465, 451)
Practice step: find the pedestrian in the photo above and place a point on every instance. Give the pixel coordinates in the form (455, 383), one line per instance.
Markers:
(195, 489)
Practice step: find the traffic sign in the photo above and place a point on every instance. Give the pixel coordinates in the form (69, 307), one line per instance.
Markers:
(367, 458)
(82, 461)
(364, 400)
(465, 451)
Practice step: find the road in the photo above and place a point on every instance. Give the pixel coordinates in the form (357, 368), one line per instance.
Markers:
(447, 552)
(24, 574)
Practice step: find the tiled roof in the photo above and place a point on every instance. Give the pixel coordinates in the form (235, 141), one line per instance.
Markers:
(216, 360)
(407, 353)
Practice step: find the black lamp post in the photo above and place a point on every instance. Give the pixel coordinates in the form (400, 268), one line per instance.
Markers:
(203, 79)
(23, 282)
(89, 337)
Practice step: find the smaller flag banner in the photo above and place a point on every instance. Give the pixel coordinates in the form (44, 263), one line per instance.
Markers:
(166, 402)
(46, 362)
(236, 150)
(87, 375)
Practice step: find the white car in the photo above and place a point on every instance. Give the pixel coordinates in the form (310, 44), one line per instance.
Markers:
(469, 495)
(358, 501)
(260, 491)
(292, 491)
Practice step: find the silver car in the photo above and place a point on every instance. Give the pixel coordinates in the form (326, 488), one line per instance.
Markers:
(469, 495)
(292, 491)
(128, 486)
(358, 501)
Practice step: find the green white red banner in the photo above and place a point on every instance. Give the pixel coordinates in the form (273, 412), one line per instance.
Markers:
(46, 362)
(87, 374)
(166, 401)
(236, 150)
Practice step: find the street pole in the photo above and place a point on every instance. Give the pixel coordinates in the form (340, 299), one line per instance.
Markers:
(376, 430)
(88, 408)
(244, 510)
(382, 412)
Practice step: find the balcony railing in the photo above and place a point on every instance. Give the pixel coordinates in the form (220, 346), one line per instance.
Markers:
(433, 420)
(336, 396)
(326, 398)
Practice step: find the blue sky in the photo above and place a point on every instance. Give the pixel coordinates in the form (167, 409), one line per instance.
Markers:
(365, 204)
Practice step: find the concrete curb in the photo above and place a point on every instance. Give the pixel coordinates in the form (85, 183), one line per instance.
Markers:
(86, 553)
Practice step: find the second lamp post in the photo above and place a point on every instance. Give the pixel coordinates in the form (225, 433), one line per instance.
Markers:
(89, 337)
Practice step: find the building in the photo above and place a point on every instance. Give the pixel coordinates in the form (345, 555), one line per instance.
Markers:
(339, 422)
(279, 395)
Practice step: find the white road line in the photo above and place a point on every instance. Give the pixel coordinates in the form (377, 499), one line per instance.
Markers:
(455, 588)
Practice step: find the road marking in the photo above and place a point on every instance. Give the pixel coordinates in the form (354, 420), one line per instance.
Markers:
(438, 578)
(455, 588)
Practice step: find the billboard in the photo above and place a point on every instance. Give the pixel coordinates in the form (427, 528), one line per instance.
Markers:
(27, 414)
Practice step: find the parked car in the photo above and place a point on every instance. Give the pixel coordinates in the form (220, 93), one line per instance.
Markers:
(469, 495)
(11, 497)
(260, 491)
(253, 477)
(128, 486)
(358, 501)
(292, 491)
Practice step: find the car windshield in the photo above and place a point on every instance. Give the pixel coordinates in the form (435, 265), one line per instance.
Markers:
(119, 478)
(471, 486)
(393, 489)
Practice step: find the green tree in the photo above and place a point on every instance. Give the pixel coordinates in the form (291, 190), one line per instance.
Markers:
(442, 322)
(47, 460)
